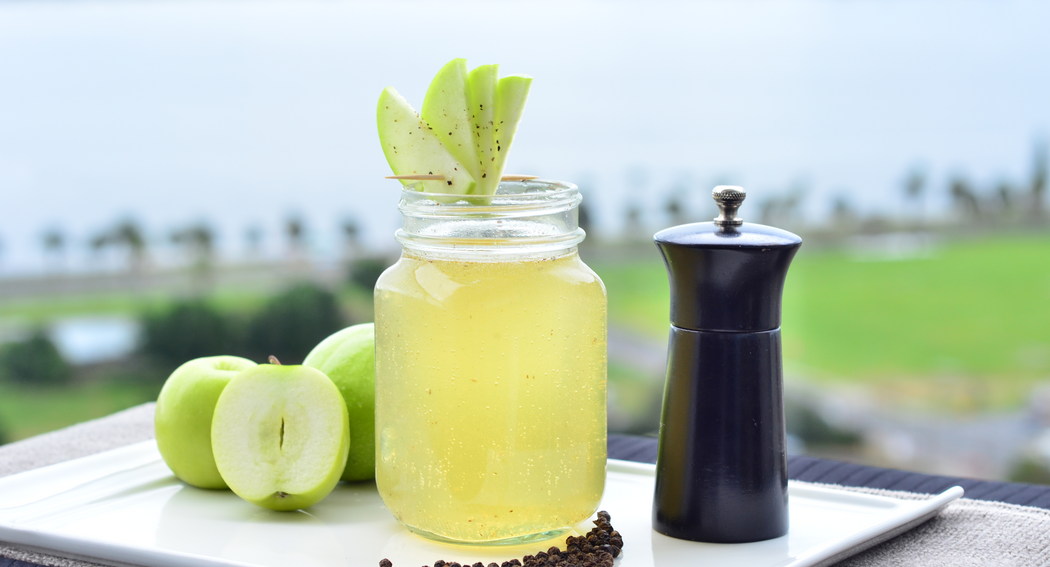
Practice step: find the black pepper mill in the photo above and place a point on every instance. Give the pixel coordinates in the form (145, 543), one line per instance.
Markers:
(721, 471)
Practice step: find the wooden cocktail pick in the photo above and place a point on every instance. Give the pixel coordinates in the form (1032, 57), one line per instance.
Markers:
(429, 177)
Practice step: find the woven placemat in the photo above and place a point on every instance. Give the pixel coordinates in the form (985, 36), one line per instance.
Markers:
(967, 533)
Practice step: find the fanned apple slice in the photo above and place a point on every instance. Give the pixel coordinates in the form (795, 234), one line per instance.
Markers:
(511, 92)
(412, 148)
(463, 133)
(482, 97)
(445, 110)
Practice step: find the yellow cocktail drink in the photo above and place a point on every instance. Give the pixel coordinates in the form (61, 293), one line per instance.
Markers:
(492, 397)
(490, 368)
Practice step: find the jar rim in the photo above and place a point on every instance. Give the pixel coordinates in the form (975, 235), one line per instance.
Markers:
(528, 217)
(509, 195)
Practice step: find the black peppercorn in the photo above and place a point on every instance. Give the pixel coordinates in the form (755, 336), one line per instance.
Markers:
(598, 548)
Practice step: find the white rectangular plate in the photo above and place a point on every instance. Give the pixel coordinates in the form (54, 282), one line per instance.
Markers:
(125, 507)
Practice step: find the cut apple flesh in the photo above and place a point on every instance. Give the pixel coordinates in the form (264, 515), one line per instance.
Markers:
(482, 92)
(412, 148)
(280, 435)
(445, 111)
(511, 93)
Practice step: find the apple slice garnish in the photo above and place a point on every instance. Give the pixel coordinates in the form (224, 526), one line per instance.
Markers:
(463, 133)
(511, 93)
(445, 110)
(412, 148)
(481, 89)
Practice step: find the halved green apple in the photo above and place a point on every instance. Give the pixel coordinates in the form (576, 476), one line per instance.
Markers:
(280, 436)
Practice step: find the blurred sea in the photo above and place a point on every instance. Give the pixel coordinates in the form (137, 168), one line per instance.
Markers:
(241, 113)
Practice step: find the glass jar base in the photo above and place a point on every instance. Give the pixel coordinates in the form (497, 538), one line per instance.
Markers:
(513, 540)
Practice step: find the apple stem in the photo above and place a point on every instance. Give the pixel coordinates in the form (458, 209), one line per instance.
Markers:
(273, 360)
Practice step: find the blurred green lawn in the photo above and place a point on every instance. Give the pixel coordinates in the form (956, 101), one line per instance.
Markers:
(963, 327)
(970, 314)
(26, 411)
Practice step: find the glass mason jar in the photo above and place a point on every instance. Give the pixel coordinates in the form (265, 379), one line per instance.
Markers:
(491, 367)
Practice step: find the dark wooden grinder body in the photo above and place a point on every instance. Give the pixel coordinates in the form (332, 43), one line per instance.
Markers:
(721, 473)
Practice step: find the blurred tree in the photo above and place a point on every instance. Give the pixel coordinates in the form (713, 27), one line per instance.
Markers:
(633, 226)
(54, 242)
(125, 234)
(843, 215)
(351, 233)
(964, 197)
(768, 210)
(675, 209)
(293, 322)
(295, 233)
(253, 240)
(915, 192)
(98, 243)
(784, 210)
(350, 230)
(584, 220)
(1004, 193)
(1040, 175)
(198, 240)
(792, 212)
(364, 271)
(35, 361)
(676, 206)
(128, 234)
(188, 329)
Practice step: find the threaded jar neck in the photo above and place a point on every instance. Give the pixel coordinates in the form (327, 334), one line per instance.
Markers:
(522, 219)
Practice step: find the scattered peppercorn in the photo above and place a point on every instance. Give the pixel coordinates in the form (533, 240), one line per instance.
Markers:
(597, 548)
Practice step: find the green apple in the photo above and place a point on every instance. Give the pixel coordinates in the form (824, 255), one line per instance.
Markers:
(463, 134)
(348, 358)
(280, 436)
(183, 415)
(412, 148)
